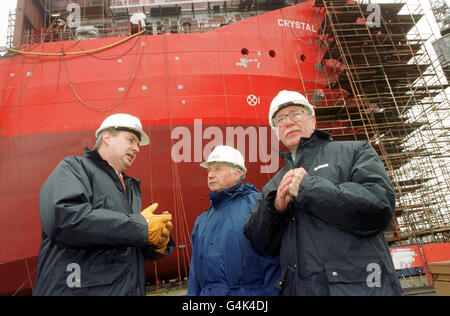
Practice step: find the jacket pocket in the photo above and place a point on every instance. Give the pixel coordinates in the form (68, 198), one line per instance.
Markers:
(99, 274)
(357, 276)
(103, 274)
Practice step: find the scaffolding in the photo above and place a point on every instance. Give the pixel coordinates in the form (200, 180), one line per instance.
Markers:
(112, 18)
(11, 25)
(441, 13)
(395, 95)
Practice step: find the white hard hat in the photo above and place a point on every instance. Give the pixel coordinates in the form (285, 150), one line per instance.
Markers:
(288, 98)
(226, 154)
(124, 121)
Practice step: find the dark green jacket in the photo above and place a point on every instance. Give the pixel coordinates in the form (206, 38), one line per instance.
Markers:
(94, 241)
(330, 238)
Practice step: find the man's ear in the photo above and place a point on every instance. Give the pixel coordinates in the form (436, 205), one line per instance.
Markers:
(106, 137)
(238, 174)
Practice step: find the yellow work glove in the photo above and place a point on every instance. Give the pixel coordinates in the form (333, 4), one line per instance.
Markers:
(159, 227)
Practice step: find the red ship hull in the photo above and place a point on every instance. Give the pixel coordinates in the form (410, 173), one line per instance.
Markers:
(191, 91)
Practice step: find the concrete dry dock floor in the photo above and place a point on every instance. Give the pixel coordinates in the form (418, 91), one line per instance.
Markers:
(425, 291)
(182, 292)
(170, 288)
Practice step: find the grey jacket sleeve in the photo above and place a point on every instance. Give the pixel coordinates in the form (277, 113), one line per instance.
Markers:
(265, 225)
(68, 217)
(365, 205)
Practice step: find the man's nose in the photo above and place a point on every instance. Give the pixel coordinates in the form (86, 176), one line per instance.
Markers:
(289, 121)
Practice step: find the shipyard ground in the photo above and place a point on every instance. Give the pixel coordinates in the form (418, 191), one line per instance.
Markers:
(173, 289)
(429, 291)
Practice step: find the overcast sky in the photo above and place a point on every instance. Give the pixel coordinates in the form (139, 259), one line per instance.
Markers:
(5, 7)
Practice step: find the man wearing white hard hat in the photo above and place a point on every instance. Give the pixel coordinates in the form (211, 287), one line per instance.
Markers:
(223, 262)
(95, 235)
(324, 213)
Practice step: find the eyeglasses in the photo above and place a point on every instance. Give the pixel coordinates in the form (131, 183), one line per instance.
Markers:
(294, 116)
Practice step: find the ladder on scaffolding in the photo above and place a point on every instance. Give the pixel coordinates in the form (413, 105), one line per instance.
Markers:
(11, 25)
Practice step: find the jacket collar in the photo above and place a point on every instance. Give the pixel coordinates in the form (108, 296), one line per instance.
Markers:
(316, 137)
(217, 197)
(92, 154)
(95, 157)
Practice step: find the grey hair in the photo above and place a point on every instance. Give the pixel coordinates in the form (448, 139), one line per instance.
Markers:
(99, 140)
(235, 169)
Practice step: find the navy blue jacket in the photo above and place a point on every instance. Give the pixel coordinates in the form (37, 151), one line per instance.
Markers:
(223, 261)
(94, 240)
(330, 238)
